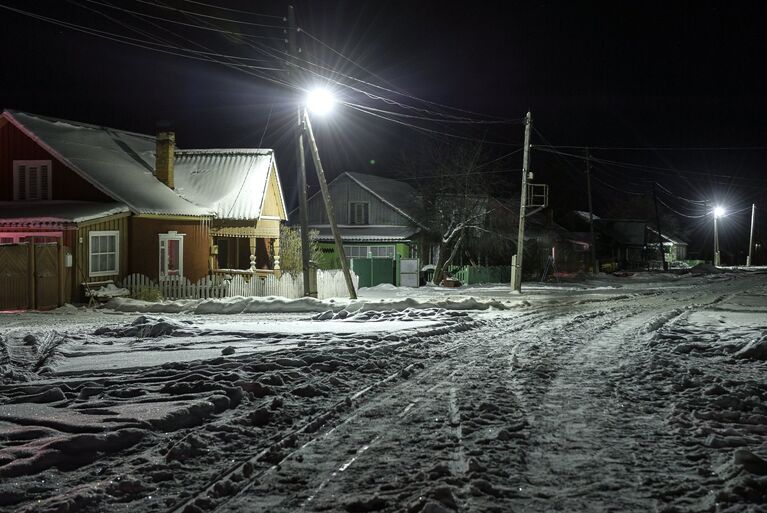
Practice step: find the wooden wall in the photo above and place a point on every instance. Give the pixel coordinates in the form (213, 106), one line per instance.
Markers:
(343, 191)
(82, 250)
(145, 245)
(65, 183)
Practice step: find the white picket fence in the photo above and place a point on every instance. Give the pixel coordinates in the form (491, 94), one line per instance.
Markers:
(330, 283)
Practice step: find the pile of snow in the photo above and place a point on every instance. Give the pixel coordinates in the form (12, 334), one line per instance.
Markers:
(706, 269)
(271, 304)
(108, 291)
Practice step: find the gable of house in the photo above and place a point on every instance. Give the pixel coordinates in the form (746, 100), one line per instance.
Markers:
(18, 148)
(348, 190)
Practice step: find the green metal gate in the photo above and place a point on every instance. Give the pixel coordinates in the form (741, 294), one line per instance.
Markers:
(374, 271)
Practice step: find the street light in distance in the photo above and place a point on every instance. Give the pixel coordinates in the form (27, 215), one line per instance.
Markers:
(719, 211)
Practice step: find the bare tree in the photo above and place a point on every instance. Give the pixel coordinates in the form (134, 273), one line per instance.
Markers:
(453, 189)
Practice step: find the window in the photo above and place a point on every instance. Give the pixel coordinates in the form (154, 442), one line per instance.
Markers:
(369, 251)
(358, 212)
(382, 251)
(104, 253)
(171, 255)
(356, 251)
(31, 179)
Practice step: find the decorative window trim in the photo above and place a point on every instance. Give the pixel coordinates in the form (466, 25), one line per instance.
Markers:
(104, 233)
(40, 187)
(162, 245)
(353, 213)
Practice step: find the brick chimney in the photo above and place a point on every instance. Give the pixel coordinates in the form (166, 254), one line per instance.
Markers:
(165, 157)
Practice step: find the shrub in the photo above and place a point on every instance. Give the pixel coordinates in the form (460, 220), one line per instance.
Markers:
(152, 294)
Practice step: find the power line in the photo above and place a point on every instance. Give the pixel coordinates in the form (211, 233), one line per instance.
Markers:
(396, 91)
(659, 148)
(629, 165)
(251, 13)
(218, 18)
(176, 22)
(123, 39)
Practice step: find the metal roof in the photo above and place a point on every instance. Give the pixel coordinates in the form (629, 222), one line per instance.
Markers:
(230, 182)
(222, 183)
(367, 233)
(28, 213)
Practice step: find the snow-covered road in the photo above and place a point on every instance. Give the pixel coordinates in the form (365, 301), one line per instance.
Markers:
(646, 399)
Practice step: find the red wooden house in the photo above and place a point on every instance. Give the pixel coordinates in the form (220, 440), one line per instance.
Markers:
(120, 202)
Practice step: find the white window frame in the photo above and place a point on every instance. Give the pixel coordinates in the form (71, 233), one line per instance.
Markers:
(353, 212)
(390, 248)
(36, 164)
(163, 256)
(104, 233)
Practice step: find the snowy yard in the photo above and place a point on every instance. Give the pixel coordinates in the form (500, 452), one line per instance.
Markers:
(645, 393)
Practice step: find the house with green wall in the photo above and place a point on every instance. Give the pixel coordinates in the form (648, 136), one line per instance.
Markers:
(377, 218)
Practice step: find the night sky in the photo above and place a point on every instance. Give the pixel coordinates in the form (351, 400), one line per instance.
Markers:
(673, 92)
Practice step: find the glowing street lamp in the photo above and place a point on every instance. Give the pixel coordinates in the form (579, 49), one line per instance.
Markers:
(319, 101)
(719, 211)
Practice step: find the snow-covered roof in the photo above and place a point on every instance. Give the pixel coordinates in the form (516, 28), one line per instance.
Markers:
(367, 233)
(28, 213)
(231, 182)
(223, 183)
(585, 215)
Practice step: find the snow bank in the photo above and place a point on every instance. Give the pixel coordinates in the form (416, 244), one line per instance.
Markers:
(235, 305)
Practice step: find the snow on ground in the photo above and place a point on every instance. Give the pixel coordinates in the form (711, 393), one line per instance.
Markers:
(638, 393)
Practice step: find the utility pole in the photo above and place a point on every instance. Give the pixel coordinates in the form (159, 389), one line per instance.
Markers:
(716, 241)
(516, 270)
(591, 214)
(751, 236)
(657, 225)
(300, 160)
(328, 205)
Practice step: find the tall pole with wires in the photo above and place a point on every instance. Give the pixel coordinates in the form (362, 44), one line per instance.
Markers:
(594, 268)
(328, 205)
(516, 271)
(300, 163)
(751, 235)
(657, 225)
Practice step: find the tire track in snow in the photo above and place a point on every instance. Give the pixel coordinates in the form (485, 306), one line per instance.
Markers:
(428, 375)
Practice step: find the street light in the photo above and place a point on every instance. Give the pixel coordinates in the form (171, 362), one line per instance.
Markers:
(319, 101)
(718, 212)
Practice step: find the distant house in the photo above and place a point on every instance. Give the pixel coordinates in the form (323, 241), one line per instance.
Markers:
(121, 202)
(548, 246)
(630, 243)
(376, 216)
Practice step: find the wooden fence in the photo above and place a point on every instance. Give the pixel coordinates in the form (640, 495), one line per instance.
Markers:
(329, 284)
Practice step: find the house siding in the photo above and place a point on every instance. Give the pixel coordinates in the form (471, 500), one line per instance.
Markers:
(342, 192)
(81, 249)
(145, 246)
(65, 183)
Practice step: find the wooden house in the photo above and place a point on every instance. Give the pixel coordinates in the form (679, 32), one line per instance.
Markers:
(119, 202)
(377, 218)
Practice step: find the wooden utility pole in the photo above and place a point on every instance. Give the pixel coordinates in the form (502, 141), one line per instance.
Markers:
(657, 225)
(591, 215)
(751, 236)
(516, 267)
(328, 205)
(300, 158)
